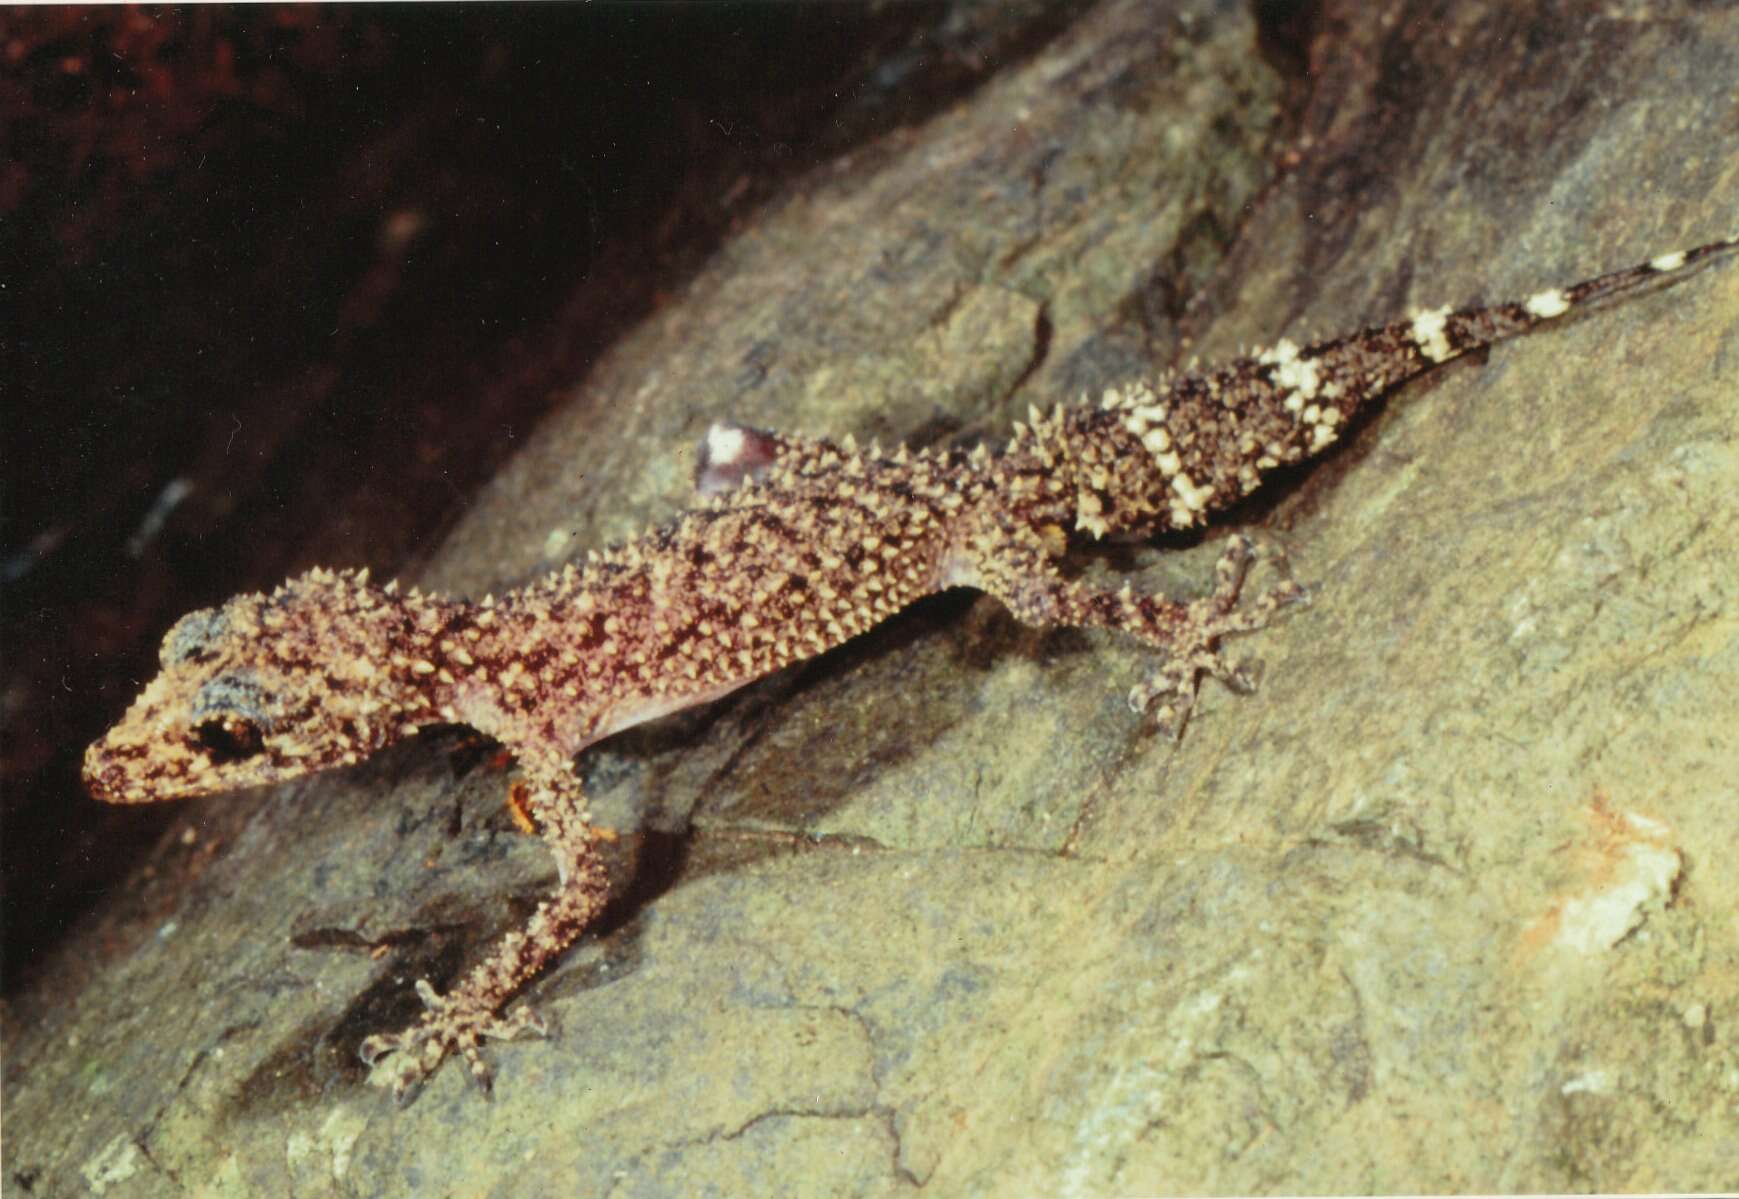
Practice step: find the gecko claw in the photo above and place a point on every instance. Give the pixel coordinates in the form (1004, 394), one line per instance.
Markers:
(1196, 651)
(449, 1024)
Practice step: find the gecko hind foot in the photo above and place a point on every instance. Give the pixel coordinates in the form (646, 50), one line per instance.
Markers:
(450, 1023)
(1195, 649)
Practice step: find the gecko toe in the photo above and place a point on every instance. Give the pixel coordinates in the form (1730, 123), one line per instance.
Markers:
(447, 1026)
(1169, 694)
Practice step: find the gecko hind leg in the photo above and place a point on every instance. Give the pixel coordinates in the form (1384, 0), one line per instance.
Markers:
(1195, 650)
(1020, 573)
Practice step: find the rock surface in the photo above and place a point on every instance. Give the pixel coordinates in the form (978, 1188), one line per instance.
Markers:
(1440, 908)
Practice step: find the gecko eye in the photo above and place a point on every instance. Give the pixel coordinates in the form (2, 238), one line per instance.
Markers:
(231, 715)
(229, 738)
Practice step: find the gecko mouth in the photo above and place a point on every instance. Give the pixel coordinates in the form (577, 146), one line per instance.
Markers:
(108, 774)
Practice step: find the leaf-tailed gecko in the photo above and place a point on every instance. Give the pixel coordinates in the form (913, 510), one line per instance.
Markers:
(797, 545)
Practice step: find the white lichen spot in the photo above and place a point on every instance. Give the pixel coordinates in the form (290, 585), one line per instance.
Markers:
(555, 544)
(1668, 262)
(1591, 1082)
(1636, 867)
(115, 1163)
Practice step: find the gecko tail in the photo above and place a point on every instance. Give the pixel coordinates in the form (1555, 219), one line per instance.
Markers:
(1616, 282)
(1444, 333)
(1555, 301)
(1289, 402)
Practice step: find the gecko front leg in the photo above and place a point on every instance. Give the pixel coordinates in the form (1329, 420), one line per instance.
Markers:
(460, 1019)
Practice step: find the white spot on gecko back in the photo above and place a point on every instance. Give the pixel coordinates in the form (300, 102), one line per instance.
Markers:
(1293, 374)
(1285, 350)
(1547, 304)
(1427, 332)
(1193, 498)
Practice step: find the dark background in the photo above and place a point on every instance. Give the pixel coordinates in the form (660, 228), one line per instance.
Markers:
(283, 286)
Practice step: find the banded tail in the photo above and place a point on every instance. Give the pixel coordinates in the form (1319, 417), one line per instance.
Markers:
(1165, 454)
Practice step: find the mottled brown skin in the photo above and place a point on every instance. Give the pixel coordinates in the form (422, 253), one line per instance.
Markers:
(801, 545)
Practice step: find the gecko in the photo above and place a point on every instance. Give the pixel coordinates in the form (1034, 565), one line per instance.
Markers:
(797, 544)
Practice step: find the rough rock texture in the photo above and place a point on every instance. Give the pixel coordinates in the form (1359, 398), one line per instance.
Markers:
(1441, 907)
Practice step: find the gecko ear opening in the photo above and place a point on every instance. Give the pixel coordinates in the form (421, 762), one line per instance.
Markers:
(229, 738)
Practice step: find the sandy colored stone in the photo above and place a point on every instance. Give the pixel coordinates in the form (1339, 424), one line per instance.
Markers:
(949, 917)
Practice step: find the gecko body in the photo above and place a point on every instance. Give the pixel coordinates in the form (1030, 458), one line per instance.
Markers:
(799, 544)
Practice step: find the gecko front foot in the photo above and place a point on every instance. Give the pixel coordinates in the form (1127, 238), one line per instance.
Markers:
(451, 1022)
(1194, 648)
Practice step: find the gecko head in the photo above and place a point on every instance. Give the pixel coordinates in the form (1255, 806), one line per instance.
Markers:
(260, 690)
